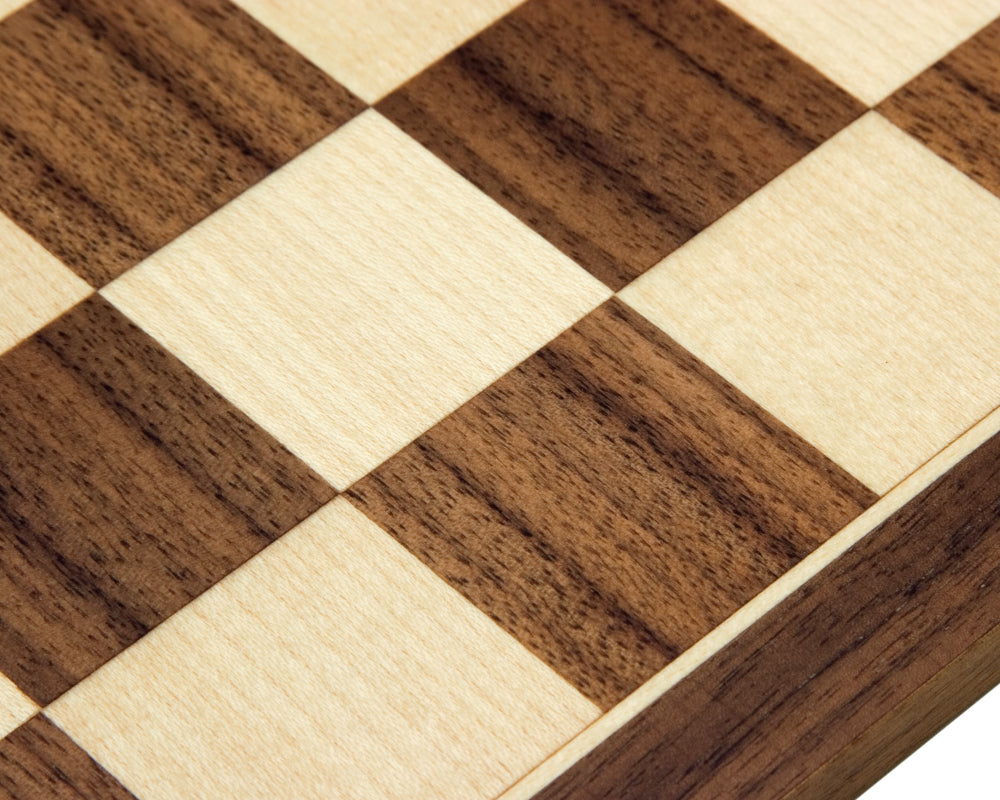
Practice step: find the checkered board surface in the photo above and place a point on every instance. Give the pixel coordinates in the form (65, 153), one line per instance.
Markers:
(393, 393)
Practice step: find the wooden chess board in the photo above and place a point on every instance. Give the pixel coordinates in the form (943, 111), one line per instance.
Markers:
(474, 400)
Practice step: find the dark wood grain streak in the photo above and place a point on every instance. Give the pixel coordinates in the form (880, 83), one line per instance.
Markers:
(127, 487)
(40, 762)
(610, 501)
(925, 712)
(123, 124)
(618, 130)
(954, 107)
(841, 680)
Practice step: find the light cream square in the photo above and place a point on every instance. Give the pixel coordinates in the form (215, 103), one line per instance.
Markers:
(871, 48)
(856, 297)
(332, 665)
(8, 7)
(355, 297)
(35, 287)
(15, 707)
(373, 46)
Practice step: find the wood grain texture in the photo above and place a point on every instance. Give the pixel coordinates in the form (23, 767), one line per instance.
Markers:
(10, 6)
(909, 614)
(620, 130)
(869, 48)
(121, 125)
(15, 706)
(369, 291)
(920, 716)
(40, 761)
(35, 287)
(127, 487)
(372, 46)
(333, 665)
(610, 501)
(954, 107)
(602, 518)
(855, 298)
(751, 613)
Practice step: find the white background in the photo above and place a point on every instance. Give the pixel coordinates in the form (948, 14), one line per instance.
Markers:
(961, 763)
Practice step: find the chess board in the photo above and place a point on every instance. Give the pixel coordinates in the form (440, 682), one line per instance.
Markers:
(475, 400)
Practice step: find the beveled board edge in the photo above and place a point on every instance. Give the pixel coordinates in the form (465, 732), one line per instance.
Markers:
(878, 747)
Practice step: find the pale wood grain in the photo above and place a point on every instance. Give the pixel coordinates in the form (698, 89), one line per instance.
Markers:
(787, 706)
(332, 665)
(372, 46)
(620, 130)
(357, 296)
(810, 567)
(126, 123)
(610, 501)
(35, 287)
(855, 297)
(15, 706)
(127, 488)
(869, 48)
(10, 6)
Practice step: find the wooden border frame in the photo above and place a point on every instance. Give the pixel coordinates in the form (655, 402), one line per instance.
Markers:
(831, 676)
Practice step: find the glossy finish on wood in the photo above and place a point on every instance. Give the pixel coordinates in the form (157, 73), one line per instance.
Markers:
(838, 674)
(618, 131)
(40, 762)
(127, 487)
(610, 501)
(121, 125)
(954, 107)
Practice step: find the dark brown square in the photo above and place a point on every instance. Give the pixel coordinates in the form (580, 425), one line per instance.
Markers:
(128, 486)
(610, 501)
(123, 124)
(618, 130)
(38, 761)
(954, 107)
